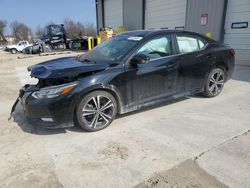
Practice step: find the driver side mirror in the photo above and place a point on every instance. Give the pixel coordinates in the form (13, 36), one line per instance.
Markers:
(139, 59)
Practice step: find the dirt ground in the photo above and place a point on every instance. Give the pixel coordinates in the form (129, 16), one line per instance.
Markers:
(187, 174)
(195, 142)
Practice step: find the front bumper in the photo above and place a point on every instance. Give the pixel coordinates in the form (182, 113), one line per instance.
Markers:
(7, 49)
(56, 112)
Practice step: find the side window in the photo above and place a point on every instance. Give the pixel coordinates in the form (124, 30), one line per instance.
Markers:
(201, 43)
(157, 47)
(187, 44)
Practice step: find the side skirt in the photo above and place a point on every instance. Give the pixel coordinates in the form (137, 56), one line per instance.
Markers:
(159, 101)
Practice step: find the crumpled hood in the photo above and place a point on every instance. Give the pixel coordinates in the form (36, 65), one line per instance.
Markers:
(63, 67)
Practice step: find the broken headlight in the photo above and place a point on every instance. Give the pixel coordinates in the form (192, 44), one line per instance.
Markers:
(54, 91)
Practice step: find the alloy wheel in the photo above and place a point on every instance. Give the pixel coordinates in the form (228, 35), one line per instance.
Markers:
(216, 82)
(98, 111)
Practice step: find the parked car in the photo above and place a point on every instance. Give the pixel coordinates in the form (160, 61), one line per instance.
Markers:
(38, 46)
(2, 47)
(131, 71)
(19, 47)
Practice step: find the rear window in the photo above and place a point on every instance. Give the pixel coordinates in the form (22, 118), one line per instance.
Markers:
(188, 44)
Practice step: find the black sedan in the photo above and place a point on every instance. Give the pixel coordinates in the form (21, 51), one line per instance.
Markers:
(126, 73)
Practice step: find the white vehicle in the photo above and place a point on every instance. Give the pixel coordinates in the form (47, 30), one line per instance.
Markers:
(19, 47)
(2, 47)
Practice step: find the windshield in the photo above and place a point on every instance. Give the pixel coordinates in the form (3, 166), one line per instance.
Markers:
(113, 49)
(46, 31)
(56, 29)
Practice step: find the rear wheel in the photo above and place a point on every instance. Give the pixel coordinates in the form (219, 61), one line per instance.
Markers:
(96, 111)
(214, 83)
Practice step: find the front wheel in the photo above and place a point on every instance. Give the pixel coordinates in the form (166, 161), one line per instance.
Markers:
(96, 111)
(214, 83)
(13, 51)
(47, 48)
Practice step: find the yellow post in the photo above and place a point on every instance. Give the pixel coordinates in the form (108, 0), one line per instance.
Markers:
(209, 34)
(90, 43)
(99, 40)
(93, 42)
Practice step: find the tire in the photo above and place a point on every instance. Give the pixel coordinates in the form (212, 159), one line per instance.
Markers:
(47, 48)
(214, 83)
(97, 115)
(13, 51)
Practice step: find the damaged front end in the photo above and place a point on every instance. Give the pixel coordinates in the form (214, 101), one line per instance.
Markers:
(51, 102)
(45, 105)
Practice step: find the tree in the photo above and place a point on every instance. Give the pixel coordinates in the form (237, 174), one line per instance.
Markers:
(70, 28)
(90, 29)
(3, 25)
(39, 31)
(20, 31)
(78, 29)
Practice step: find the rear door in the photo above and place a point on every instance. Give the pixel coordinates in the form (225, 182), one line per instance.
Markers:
(195, 62)
(157, 78)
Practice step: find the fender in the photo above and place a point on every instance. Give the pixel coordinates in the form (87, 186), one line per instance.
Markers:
(109, 88)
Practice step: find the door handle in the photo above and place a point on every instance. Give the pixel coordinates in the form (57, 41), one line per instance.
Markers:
(209, 56)
(171, 65)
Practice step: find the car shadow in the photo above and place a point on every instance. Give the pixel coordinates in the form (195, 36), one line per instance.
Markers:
(20, 120)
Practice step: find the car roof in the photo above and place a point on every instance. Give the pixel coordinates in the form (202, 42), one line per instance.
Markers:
(146, 33)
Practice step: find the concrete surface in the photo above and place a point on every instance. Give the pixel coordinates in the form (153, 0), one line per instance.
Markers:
(133, 147)
(230, 162)
(187, 174)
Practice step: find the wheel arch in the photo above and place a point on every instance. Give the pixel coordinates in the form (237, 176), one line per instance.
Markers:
(110, 89)
(13, 49)
(114, 94)
(218, 64)
(224, 66)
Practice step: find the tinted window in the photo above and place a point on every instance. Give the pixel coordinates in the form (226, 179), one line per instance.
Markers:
(56, 29)
(46, 31)
(157, 47)
(113, 49)
(21, 43)
(201, 43)
(187, 44)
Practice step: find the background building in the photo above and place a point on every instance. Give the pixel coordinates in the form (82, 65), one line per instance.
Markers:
(224, 20)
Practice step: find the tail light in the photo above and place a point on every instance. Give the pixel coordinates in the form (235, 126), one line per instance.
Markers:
(232, 53)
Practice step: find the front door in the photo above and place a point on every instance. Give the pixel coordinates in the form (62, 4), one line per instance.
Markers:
(156, 79)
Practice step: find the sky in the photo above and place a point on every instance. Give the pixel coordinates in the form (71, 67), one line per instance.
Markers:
(42, 12)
